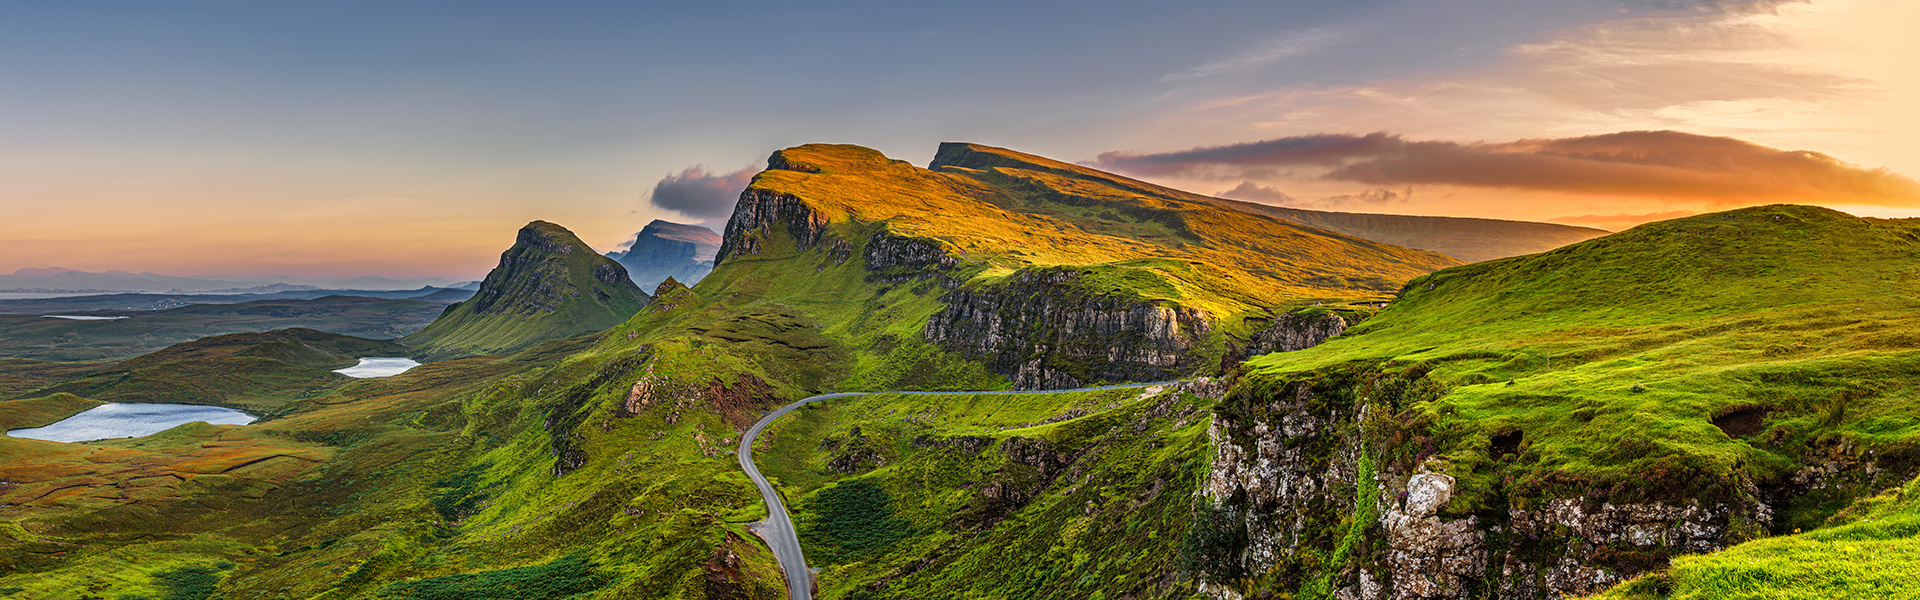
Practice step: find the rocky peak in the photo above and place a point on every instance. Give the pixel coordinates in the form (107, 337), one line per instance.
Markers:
(665, 249)
(548, 285)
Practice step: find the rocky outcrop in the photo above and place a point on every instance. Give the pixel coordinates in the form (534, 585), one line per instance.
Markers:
(1293, 461)
(1044, 334)
(1295, 331)
(548, 285)
(896, 259)
(761, 212)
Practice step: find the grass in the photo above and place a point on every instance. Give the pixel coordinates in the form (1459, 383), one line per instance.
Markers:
(43, 411)
(1613, 356)
(571, 576)
(549, 285)
(969, 514)
(142, 331)
(1010, 217)
(258, 372)
(1868, 551)
(1465, 239)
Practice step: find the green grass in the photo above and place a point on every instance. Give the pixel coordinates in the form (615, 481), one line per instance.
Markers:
(1868, 551)
(258, 372)
(968, 514)
(549, 285)
(1612, 356)
(571, 576)
(43, 411)
(142, 331)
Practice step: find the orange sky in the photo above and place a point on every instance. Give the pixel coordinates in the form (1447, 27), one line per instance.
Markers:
(216, 160)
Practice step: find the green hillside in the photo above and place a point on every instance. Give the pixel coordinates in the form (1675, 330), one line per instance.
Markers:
(1757, 361)
(1649, 334)
(257, 372)
(1866, 551)
(600, 464)
(134, 332)
(1007, 218)
(1465, 239)
(549, 285)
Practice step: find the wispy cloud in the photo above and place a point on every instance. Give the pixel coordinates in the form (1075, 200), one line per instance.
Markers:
(1280, 47)
(1647, 164)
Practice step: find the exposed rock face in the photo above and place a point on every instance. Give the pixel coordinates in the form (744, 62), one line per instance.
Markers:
(1291, 463)
(1047, 335)
(664, 250)
(1297, 331)
(760, 212)
(548, 285)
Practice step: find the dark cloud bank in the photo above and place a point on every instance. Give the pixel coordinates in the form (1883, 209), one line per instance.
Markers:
(707, 197)
(1658, 164)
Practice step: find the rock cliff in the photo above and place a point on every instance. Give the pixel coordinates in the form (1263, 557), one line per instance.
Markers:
(548, 285)
(1341, 498)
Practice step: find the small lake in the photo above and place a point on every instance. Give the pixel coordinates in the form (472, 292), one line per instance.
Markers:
(81, 317)
(378, 367)
(129, 419)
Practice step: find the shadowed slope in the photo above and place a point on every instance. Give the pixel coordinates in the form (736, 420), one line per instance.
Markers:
(251, 371)
(549, 285)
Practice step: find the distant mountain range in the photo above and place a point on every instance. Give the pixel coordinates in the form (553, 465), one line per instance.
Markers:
(63, 280)
(663, 249)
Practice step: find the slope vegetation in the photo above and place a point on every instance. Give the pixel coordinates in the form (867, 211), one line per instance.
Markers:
(549, 285)
(1465, 239)
(256, 372)
(1057, 282)
(1675, 388)
(122, 334)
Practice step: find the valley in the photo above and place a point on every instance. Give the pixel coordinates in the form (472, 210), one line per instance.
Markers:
(1003, 376)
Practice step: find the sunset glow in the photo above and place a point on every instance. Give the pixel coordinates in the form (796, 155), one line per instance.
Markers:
(290, 138)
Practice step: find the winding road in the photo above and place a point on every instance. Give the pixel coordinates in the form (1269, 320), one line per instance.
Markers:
(778, 531)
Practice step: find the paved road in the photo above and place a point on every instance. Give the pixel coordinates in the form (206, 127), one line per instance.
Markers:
(777, 530)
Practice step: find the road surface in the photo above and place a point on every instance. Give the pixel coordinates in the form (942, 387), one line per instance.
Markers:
(777, 530)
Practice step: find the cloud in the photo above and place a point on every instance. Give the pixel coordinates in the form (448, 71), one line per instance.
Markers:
(708, 197)
(1378, 195)
(1281, 47)
(1649, 164)
(1617, 222)
(1253, 192)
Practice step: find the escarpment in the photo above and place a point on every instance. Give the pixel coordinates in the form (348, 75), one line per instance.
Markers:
(1343, 493)
(1045, 334)
(1057, 283)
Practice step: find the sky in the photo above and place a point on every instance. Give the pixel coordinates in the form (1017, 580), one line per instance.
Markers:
(412, 138)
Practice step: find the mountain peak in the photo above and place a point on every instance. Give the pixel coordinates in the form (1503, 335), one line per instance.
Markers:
(548, 285)
(667, 250)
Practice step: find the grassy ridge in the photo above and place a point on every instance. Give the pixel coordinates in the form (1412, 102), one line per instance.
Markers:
(1614, 357)
(43, 411)
(994, 496)
(1465, 239)
(259, 372)
(1178, 249)
(549, 285)
(37, 337)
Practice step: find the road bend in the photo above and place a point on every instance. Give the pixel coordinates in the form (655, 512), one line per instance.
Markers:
(778, 531)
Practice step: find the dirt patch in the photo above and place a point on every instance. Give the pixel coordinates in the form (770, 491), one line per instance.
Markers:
(741, 404)
(1506, 444)
(1742, 422)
